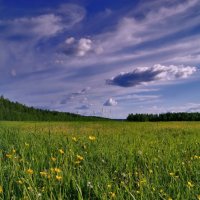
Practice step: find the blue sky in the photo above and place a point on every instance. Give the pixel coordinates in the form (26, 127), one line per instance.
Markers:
(101, 57)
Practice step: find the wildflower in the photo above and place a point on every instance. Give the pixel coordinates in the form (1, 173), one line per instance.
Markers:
(109, 186)
(8, 155)
(59, 178)
(80, 158)
(74, 139)
(112, 194)
(169, 198)
(189, 184)
(61, 151)
(77, 162)
(92, 138)
(198, 197)
(29, 171)
(13, 151)
(172, 174)
(1, 189)
(20, 182)
(43, 174)
(53, 159)
(57, 170)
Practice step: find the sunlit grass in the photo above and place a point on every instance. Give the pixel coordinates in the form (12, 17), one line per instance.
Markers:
(106, 160)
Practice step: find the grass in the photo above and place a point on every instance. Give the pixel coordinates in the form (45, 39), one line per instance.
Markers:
(104, 160)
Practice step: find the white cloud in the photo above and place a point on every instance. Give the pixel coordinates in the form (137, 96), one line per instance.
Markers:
(110, 102)
(84, 46)
(79, 48)
(45, 25)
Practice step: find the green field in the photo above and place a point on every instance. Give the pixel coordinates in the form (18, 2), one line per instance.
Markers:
(100, 160)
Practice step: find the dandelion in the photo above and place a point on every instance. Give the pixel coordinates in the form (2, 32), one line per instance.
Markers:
(61, 151)
(74, 139)
(112, 194)
(189, 184)
(172, 174)
(58, 178)
(92, 138)
(20, 182)
(1, 189)
(29, 171)
(8, 155)
(80, 158)
(57, 170)
(43, 174)
(13, 151)
(77, 162)
(53, 159)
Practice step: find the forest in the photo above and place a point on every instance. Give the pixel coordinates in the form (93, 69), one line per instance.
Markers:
(180, 116)
(14, 111)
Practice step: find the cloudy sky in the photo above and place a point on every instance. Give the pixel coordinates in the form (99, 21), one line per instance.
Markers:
(101, 57)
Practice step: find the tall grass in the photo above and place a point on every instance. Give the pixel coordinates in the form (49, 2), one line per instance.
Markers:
(105, 160)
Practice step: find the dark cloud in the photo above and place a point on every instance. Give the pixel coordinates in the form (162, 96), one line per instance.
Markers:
(155, 73)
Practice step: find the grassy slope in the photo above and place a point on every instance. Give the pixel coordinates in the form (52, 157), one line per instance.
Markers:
(126, 161)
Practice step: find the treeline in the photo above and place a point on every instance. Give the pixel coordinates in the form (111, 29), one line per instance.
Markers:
(14, 111)
(181, 116)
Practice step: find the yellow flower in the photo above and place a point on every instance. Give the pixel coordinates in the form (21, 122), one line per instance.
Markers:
(80, 158)
(29, 171)
(57, 170)
(61, 151)
(189, 184)
(77, 162)
(172, 174)
(43, 174)
(92, 138)
(170, 198)
(109, 186)
(8, 155)
(198, 197)
(1, 189)
(53, 159)
(59, 178)
(20, 182)
(14, 151)
(74, 139)
(112, 194)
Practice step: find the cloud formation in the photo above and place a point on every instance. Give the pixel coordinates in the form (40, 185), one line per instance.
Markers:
(110, 102)
(150, 74)
(45, 25)
(79, 47)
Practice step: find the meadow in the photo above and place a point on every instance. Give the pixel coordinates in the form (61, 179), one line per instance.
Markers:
(100, 160)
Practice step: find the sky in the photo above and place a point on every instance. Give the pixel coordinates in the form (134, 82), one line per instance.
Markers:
(101, 57)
